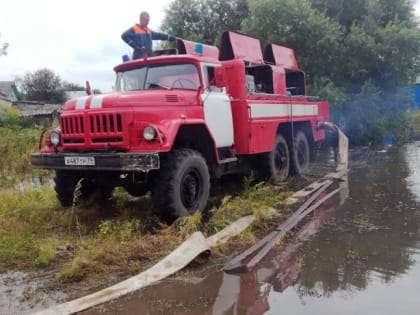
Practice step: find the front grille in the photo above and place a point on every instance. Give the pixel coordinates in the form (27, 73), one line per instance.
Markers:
(93, 128)
(105, 123)
(72, 125)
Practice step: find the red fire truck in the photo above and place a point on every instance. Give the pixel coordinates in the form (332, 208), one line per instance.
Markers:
(175, 121)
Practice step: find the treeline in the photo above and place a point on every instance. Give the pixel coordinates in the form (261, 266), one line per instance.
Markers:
(357, 54)
(46, 86)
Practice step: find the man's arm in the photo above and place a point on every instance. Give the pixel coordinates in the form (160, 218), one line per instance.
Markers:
(129, 38)
(163, 36)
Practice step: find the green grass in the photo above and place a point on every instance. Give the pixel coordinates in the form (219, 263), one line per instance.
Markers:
(73, 271)
(15, 151)
(16, 251)
(9, 116)
(84, 242)
(47, 252)
(37, 233)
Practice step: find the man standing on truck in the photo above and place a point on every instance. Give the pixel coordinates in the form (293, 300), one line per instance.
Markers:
(140, 37)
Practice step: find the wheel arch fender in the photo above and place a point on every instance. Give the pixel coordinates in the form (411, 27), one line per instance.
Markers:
(197, 136)
(289, 129)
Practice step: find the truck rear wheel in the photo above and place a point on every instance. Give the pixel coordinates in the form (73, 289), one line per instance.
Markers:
(275, 165)
(300, 154)
(182, 186)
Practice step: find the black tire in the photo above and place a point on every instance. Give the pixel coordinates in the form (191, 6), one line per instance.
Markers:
(95, 190)
(65, 183)
(136, 190)
(300, 154)
(274, 165)
(92, 189)
(182, 185)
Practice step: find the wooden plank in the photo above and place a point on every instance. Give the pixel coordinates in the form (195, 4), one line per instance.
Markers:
(235, 265)
(286, 227)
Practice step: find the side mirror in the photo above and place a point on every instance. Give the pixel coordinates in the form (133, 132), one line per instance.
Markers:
(220, 77)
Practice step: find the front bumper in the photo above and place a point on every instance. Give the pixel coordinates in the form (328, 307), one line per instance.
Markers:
(102, 161)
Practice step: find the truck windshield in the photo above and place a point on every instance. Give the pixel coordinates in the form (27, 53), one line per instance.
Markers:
(173, 76)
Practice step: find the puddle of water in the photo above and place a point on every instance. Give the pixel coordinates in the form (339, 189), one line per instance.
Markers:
(21, 293)
(35, 182)
(413, 162)
(356, 255)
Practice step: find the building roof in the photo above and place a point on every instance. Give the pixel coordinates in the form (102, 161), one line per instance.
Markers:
(6, 88)
(9, 91)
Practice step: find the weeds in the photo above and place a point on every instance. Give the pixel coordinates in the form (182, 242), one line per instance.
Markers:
(74, 271)
(33, 227)
(16, 251)
(47, 251)
(15, 150)
(9, 116)
(255, 199)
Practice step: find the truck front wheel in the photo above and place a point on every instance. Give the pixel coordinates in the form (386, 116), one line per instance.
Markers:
(182, 186)
(90, 190)
(65, 183)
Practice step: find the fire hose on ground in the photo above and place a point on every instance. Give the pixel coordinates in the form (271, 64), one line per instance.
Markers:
(196, 244)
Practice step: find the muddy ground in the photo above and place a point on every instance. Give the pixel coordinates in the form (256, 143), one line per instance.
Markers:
(23, 292)
(357, 254)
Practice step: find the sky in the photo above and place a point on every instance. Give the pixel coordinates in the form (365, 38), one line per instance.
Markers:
(79, 40)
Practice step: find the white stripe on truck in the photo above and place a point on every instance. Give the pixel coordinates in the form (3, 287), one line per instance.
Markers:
(81, 102)
(259, 110)
(96, 101)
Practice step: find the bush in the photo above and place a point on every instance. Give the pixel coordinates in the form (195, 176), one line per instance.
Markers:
(15, 152)
(9, 117)
(373, 115)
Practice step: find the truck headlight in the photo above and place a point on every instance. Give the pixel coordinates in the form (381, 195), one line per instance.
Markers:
(55, 138)
(149, 133)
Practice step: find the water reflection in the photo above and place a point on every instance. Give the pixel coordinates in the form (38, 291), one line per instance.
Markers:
(359, 254)
(370, 252)
(249, 294)
(412, 156)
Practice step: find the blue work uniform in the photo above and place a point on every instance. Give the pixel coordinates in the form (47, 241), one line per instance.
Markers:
(140, 38)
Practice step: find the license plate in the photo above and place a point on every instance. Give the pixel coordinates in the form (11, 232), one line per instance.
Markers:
(79, 160)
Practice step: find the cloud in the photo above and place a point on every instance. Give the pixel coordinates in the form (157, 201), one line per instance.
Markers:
(79, 40)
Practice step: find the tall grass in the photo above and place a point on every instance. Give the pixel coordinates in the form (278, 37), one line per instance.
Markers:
(15, 151)
(35, 232)
(16, 146)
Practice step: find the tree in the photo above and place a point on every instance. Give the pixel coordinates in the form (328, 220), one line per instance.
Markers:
(67, 86)
(204, 21)
(314, 37)
(380, 54)
(43, 85)
(3, 48)
(357, 53)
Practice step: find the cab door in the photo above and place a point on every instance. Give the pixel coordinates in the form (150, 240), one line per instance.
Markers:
(217, 109)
